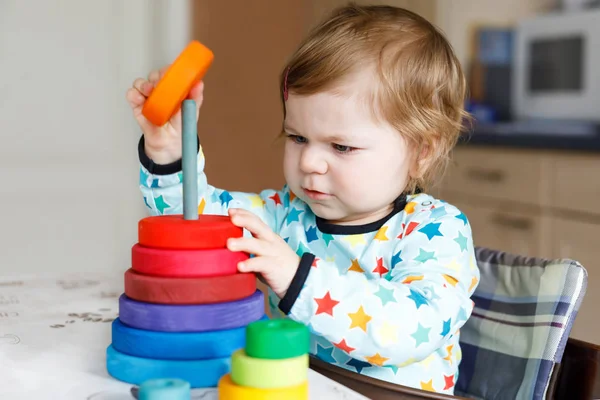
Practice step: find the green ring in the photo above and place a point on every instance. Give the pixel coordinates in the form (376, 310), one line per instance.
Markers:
(276, 339)
(262, 373)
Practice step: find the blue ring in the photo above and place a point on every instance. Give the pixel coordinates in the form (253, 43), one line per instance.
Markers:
(177, 345)
(136, 370)
(164, 389)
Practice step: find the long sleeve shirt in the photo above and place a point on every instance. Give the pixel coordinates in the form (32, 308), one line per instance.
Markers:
(386, 299)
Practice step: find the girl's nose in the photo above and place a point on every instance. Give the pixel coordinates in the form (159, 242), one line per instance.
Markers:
(311, 162)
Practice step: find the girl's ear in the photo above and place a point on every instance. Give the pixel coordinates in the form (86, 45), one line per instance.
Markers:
(422, 161)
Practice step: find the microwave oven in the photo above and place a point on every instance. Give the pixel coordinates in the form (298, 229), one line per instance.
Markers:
(556, 67)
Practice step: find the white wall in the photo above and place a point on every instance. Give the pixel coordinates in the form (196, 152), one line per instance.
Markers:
(459, 18)
(68, 163)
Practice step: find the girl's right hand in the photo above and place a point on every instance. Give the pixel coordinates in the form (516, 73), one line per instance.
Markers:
(162, 143)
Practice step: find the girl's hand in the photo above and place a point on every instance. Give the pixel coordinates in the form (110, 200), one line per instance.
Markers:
(162, 143)
(273, 258)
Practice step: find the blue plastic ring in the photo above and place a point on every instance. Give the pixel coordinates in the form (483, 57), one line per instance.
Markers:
(176, 345)
(136, 370)
(164, 389)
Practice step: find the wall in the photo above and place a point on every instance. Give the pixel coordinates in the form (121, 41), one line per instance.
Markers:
(241, 114)
(426, 8)
(458, 18)
(68, 165)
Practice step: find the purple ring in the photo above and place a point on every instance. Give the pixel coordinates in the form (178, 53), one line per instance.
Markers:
(191, 318)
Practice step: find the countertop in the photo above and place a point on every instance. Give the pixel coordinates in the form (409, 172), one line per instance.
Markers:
(560, 136)
(54, 330)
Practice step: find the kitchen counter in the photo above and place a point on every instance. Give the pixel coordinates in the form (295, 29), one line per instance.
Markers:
(541, 136)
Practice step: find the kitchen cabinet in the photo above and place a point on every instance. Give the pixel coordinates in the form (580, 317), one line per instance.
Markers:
(532, 202)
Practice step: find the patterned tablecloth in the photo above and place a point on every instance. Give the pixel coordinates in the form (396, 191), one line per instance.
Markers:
(54, 331)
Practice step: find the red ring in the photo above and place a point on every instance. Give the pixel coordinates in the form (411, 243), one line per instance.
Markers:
(205, 290)
(185, 263)
(173, 232)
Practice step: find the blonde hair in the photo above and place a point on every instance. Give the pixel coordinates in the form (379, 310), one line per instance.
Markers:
(420, 88)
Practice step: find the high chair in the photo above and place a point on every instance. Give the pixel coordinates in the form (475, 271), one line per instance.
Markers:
(516, 344)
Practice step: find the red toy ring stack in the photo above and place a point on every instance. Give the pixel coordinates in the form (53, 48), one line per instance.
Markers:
(186, 307)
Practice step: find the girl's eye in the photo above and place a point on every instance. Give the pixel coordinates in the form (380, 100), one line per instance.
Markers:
(297, 139)
(343, 149)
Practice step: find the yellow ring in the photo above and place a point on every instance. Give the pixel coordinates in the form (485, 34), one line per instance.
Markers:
(230, 391)
(263, 373)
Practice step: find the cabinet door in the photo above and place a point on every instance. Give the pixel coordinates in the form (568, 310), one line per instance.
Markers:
(517, 231)
(499, 175)
(578, 241)
(574, 187)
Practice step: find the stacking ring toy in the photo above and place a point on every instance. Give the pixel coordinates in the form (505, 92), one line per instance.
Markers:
(230, 391)
(177, 346)
(164, 389)
(176, 232)
(185, 263)
(187, 70)
(206, 290)
(136, 370)
(277, 339)
(191, 318)
(262, 373)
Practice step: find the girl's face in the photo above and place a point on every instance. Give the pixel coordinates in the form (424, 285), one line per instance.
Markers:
(347, 166)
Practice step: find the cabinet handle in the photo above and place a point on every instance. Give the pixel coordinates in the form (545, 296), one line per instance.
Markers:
(522, 224)
(490, 175)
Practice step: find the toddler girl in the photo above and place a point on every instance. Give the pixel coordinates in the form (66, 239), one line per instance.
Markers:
(352, 246)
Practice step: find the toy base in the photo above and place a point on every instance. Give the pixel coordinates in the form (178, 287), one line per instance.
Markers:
(136, 370)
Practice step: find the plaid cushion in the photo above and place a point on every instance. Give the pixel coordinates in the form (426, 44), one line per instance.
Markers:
(524, 311)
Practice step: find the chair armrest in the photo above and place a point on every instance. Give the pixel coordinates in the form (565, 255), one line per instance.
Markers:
(371, 387)
(579, 375)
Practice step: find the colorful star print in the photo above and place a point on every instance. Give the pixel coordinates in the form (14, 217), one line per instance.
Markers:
(376, 359)
(359, 319)
(418, 298)
(326, 304)
(425, 256)
(381, 234)
(462, 241)
(143, 178)
(421, 335)
(276, 199)
(293, 215)
(161, 204)
(327, 238)
(225, 198)
(431, 230)
(380, 268)
(359, 365)
(311, 234)
(325, 354)
(396, 258)
(446, 329)
(386, 295)
(355, 266)
(344, 346)
(463, 218)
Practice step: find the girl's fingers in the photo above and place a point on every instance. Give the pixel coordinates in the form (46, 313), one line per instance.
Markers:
(143, 86)
(251, 222)
(258, 265)
(134, 98)
(155, 75)
(249, 245)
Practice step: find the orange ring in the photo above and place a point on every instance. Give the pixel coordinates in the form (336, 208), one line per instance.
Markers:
(186, 71)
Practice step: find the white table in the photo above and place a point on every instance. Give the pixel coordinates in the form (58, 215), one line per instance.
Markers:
(54, 331)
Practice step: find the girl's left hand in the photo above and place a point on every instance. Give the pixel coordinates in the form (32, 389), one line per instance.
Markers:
(273, 257)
